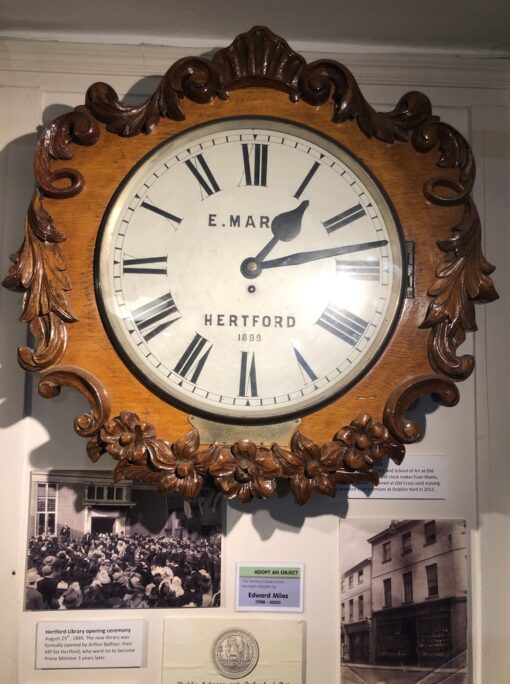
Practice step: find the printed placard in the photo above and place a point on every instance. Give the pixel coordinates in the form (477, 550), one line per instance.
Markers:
(419, 477)
(90, 644)
(270, 587)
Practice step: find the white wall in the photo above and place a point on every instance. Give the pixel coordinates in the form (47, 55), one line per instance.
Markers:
(36, 81)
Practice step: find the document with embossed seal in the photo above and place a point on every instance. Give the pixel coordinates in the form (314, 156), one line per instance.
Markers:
(228, 650)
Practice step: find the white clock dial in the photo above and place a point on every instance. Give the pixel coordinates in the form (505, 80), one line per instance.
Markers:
(249, 270)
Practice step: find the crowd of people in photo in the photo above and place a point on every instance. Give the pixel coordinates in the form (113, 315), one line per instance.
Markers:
(109, 570)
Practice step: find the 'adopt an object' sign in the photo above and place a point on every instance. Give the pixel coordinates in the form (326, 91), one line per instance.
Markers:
(270, 587)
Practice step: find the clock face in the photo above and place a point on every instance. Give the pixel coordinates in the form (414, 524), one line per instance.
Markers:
(249, 270)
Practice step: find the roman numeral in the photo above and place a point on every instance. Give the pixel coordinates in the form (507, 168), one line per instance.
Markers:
(191, 363)
(255, 164)
(361, 269)
(248, 377)
(143, 265)
(343, 324)
(344, 218)
(161, 212)
(305, 368)
(156, 316)
(306, 180)
(203, 174)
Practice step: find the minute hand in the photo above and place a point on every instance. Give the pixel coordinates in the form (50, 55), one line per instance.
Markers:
(304, 257)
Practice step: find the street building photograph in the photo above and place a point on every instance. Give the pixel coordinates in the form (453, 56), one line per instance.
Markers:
(403, 594)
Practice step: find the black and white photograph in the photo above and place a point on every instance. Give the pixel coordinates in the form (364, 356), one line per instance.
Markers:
(403, 601)
(93, 544)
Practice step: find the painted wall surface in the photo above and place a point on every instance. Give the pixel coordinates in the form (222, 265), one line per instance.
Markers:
(39, 81)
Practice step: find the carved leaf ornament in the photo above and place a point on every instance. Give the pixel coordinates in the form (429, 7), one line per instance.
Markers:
(246, 470)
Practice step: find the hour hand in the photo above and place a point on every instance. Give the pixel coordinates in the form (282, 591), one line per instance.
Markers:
(304, 257)
(285, 227)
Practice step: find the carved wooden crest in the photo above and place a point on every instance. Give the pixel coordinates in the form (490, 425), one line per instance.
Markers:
(425, 166)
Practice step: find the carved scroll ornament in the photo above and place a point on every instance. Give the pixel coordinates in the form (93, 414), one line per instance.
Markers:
(39, 268)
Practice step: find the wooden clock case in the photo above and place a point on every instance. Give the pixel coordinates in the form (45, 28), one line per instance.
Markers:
(426, 168)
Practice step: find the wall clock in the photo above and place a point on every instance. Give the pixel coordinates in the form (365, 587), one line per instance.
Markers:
(253, 250)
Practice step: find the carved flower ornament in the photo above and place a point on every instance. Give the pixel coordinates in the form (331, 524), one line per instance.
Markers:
(364, 443)
(246, 471)
(128, 438)
(310, 467)
(184, 465)
(176, 467)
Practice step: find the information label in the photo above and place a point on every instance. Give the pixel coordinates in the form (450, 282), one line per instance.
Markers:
(90, 643)
(270, 587)
(419, 477)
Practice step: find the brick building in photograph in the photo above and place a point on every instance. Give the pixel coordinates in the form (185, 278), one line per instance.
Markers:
(88, 502)
(419, 592)
(418, 597)
(357, 646)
